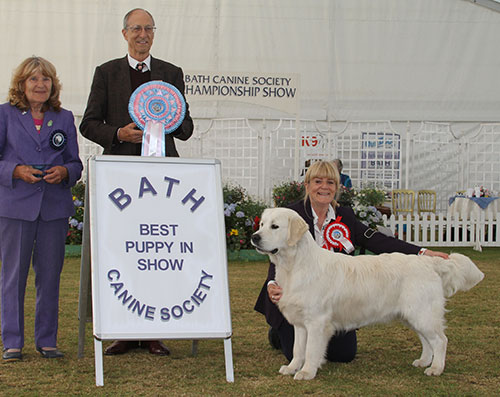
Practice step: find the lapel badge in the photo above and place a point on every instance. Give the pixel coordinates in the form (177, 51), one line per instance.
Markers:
(58, 139)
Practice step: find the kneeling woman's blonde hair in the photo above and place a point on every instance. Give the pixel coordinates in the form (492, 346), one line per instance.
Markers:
(323, 169)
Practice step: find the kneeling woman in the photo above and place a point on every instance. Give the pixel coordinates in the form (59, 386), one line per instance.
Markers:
(322, 213)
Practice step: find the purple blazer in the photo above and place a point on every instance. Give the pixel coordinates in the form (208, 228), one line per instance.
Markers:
(20, 143)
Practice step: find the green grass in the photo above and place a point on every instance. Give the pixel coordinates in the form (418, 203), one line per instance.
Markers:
(382, 367)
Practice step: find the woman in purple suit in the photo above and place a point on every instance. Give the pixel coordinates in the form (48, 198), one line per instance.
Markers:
(39, 164)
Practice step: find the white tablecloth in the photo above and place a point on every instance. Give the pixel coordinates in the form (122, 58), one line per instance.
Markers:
(466, 208)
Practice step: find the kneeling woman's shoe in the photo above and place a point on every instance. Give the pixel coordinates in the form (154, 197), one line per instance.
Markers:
(12, 356)
(50, 353)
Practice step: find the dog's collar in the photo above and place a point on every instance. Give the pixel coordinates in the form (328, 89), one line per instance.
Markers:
(272, 252)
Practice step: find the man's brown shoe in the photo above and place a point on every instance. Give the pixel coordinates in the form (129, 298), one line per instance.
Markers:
(120, 347)
(155, 347)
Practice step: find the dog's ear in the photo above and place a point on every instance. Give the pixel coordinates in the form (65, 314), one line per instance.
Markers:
(296, 229)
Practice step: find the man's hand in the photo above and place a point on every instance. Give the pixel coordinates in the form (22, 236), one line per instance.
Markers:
(129, 133)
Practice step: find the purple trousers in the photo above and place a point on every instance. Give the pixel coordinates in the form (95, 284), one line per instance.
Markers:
(20, 243)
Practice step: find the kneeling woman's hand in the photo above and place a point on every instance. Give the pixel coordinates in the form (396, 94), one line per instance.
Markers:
(436, 253)
(274, 291)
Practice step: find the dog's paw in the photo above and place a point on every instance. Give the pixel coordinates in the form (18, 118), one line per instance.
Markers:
(287, 370)
(303, 375)
(433, 371)
(421, 363)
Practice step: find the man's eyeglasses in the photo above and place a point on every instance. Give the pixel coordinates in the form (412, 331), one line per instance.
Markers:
(136, 29)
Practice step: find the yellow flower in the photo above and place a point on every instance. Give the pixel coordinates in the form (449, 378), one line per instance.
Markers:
(234, 232)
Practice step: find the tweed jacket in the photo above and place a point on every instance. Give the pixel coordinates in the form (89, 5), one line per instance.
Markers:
(107, 106)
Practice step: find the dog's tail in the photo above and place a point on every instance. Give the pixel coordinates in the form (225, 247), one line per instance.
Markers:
(458, 273)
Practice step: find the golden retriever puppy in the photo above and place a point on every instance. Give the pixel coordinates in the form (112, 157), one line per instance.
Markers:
(325, 292)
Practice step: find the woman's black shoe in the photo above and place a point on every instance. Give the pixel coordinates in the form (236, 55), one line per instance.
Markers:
(274, 338)
(50, 353)
(12, 356)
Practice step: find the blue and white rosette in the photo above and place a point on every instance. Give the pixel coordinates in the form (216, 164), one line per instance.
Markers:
(157, 108)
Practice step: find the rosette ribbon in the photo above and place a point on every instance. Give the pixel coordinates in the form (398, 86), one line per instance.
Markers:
(157, 108)
(337, 235)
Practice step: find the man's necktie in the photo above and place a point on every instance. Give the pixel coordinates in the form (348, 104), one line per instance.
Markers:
(140, 66)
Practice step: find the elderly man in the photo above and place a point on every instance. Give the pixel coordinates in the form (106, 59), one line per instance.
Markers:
(106, 120)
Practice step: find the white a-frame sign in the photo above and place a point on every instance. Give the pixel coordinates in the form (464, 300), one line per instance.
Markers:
(158, 251)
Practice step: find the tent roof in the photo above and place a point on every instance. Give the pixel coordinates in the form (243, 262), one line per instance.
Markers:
(357, 59)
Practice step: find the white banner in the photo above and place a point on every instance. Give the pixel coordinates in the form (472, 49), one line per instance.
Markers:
(277, 91)
(159, 266)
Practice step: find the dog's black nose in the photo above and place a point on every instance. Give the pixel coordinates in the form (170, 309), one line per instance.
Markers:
(255, 238)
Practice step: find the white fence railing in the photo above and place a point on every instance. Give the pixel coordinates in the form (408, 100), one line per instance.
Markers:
(442, 231)
(259, 154)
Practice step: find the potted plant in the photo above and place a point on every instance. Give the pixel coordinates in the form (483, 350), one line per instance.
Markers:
(371, 196)
(288, 192)
(347, 196)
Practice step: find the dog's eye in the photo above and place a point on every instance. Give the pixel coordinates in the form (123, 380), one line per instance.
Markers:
(274, 227)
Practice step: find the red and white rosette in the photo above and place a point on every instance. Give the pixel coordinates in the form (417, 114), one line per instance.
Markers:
(337, 235)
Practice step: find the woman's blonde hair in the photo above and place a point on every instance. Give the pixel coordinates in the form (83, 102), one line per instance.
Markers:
(323, 169)
(31, 65)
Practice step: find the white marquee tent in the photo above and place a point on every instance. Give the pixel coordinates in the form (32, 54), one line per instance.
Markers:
(427, 68)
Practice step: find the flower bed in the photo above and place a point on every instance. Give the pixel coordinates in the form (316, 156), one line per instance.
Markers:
(241, 217)
(288, 192)
(75, 231)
